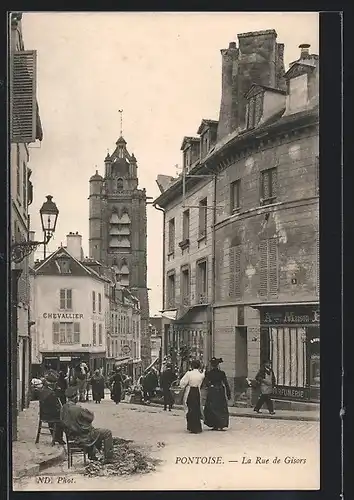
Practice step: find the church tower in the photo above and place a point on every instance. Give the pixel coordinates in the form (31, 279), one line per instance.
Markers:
(118, 229)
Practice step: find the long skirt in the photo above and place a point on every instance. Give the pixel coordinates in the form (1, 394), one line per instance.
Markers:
(216, 411)
(116, 392)
(194, 413)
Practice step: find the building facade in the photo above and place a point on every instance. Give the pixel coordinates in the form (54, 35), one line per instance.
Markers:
(155, 326)
(259, 177)
(25, 128)
(69, 309)
(118, 229)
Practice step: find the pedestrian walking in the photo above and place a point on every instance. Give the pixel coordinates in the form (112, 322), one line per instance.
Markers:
(192, 382)
(167, 377)
(266, 378)
(77, 422)
(150, 382)
(81, 379)
(116, 382)
(216, 411)
(97, 384)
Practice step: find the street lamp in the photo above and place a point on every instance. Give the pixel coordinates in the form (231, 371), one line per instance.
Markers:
(49, 215)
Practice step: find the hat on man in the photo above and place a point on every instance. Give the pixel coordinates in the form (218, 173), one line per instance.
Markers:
(52, 376)
(71, 392)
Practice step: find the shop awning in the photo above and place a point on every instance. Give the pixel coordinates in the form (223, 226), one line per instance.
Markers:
(170, 314)
(282, 304)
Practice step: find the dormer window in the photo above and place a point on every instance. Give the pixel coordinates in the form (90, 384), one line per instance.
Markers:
(208, 135)
(187, 158)
(302, 86)
(254, 110)
(63, 265)
(204, 143)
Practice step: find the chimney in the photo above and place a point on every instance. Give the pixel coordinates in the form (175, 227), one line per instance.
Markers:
(304, 50)
(74, 245)
(228, 105)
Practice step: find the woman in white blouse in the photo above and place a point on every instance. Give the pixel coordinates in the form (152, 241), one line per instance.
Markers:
(191, 382)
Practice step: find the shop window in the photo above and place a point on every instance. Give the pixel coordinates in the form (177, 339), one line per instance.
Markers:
(66, 299)
(269, 186)
(288, 355)
(235, 272)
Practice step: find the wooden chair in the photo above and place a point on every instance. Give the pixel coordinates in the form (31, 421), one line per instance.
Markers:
(74, 448)
(40, 429)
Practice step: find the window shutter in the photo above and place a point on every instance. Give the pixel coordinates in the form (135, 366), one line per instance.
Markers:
(273, 267)
(274, 181)
(263, 265)
(69, 301)
(62, 299)
(55, 332)
(23, 101)
(69, 333)
(76, 333)
(232, 272)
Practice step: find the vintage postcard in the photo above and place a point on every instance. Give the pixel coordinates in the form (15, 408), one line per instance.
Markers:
(165, 250)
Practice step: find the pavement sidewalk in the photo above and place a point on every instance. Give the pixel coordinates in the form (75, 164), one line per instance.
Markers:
(295, 415)
(29, 458)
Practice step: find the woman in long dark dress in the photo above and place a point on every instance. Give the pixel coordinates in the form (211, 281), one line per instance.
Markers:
(97, 384)
(191, 382)
(116, 386)
(216, 412)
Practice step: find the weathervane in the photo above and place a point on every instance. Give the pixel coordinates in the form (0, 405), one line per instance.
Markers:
(121, 121)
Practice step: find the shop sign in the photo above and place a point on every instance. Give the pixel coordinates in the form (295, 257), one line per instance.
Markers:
(62, 316)
(65, 358)
(285, 316)
(287, 392)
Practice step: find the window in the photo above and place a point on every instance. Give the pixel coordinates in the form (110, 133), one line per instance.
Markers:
(204, 144)
(202, 283)
(254, 110)
(24, 184)
(185, 223)
(171, 236)
(100, 334)
(185, 286)
(99, 303)
(66, 299)
(64, 265)
(171, 283)
(269, 184)
(186, 158)
(66, 333)
(235, 272)
(235, 195)
(93, 302)
(203, 218)
(18, 171)
(93, 334)
(119, 183)
(268, 268)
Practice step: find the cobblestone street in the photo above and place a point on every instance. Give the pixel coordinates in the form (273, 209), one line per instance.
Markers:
(164, 436)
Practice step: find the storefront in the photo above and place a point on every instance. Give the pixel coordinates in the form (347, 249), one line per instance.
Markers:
(290, 338)
(63, 361)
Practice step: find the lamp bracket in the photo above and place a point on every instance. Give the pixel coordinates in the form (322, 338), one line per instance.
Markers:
(20, 251)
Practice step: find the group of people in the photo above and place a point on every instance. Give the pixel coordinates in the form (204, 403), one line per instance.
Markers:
(215, 413)
(58, 406)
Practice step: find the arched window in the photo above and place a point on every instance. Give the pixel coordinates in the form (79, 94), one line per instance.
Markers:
(120, 183)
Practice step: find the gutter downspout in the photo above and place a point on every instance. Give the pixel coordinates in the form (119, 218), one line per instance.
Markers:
(213, 276)
(163, 262)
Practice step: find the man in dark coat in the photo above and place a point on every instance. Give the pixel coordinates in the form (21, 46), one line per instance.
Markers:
(266, 379)
(166, 379)
(150, 382)
(77, 422)
(49, 407)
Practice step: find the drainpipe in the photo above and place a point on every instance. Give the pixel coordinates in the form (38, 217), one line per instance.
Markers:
(213, 267)
(163, 262)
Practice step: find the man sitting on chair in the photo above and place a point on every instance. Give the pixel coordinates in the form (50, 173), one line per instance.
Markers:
(78, 424)
(49, 407)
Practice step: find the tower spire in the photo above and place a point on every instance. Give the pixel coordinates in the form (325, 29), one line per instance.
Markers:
(121, 121)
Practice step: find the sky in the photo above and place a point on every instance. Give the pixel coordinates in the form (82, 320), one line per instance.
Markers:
(162, 69)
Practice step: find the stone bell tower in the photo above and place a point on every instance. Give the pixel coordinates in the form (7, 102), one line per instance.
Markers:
(118, 229)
